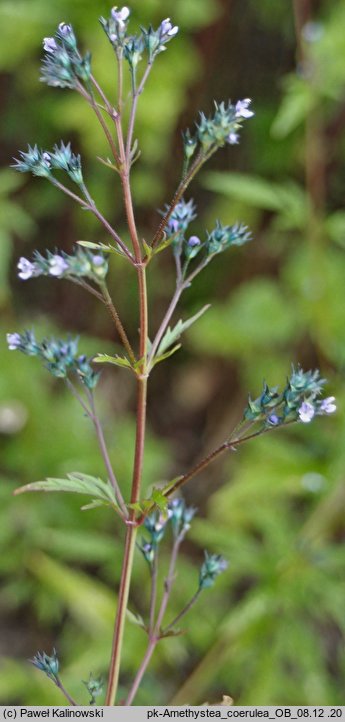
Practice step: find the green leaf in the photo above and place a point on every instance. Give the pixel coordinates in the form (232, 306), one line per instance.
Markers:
(165, 355)
(165, 243)
(298, 102)
(105, 248)
(171, 633)
(246, 188)
(75, 483)
(159, 499)
(148, 250)
(173, 334)
(94, 504)
(103, 358)
(136, 619)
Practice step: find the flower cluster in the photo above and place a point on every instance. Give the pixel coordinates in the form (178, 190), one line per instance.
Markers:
(223, 237)
(60, 357)
(182, 215)
(80, 264)
(94, 687)
(132, 46)
(116, 26)
(46, 664)
(297, 402)
(63, 66)
(42, 163)
(221, 128)
(178, 515)
(220, 239)
(155, 525)
(213, 565)
(155, 40)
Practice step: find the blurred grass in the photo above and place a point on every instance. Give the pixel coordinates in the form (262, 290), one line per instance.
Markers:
(273, 630)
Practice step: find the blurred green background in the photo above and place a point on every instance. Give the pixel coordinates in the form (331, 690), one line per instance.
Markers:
(272, 631)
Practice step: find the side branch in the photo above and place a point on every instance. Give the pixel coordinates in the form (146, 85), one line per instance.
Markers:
(229, 445)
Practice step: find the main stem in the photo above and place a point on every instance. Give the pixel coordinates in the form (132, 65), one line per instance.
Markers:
(131, 532)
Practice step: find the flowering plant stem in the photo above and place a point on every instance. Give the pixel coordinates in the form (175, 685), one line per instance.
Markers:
(140, 417)
(155, 632)
(64, 66)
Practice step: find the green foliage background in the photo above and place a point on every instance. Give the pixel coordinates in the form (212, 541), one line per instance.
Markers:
(272, 631)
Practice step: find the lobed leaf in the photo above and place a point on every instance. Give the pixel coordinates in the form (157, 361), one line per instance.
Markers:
(173, 334)
(77, 483)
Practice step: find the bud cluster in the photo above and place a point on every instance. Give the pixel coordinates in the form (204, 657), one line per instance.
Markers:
(61, 358)
(297, 402)
(80, 264)
(116, 26)
(132, 46)
(46, 664)
(213, 565)
(42, 163)
(221, 128)
(178, 515)
(63, 66)
(94, 687)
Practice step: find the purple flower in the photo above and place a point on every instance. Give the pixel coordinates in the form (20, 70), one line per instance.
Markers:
(274, 419)
(26, 269)
(194, 241)
(49, 45)
(65, 29)
(167, 28)
(57, 266)
(233, 138)
(97, 260)
(173, 225)
(120, 16)
(306, 412)
(242, 108)
(14, 341)
(328, 406)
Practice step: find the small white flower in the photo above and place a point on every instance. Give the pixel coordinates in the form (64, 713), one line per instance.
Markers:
(13, 340)
(167, 28)
(233, 138)
(47, 159)
(242, 108)
(26, 269)
(57, 266)
(306, 412)
(120, 16)
(328, 406)
(49, 45)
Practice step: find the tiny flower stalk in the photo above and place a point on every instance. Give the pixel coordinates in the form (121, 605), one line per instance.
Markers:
(299, 401)
(50, 667)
